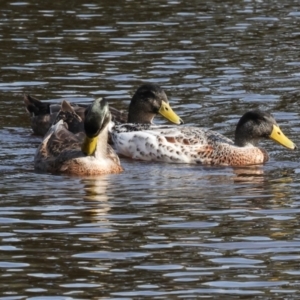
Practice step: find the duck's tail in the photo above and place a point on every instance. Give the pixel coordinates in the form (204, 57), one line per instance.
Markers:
(36, 107)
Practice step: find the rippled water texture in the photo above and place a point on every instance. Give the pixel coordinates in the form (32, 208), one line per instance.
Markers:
(158, 231)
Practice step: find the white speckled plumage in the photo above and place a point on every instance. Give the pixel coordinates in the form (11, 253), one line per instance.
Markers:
(191, 145)
(174, 145)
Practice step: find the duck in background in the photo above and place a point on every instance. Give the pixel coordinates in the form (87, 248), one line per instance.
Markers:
(148, 101)
(84, 153)
(200, 146)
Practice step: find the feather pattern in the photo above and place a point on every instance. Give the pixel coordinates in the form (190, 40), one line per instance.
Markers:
(61, 150)
(195, 145)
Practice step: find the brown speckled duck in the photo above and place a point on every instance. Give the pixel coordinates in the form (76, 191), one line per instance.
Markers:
(148, 101)
(84, 153)
(200, 146)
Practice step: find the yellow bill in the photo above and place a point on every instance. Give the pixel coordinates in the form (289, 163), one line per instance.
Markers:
(278, 136)
(167, 112)
(89, 145)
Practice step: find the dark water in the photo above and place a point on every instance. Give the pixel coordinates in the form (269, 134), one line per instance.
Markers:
(158, 231)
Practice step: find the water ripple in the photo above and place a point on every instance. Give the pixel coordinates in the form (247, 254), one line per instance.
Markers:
(157, 230)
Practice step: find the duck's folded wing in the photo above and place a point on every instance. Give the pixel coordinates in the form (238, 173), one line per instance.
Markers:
(62, 139)
(186, 136)
(73, 122)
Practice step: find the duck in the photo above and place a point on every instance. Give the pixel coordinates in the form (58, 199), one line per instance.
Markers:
(84, 153)
(148, 101)
(194, 145)
(43, 114)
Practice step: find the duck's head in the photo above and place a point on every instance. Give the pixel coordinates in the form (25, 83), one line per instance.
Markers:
(255, 125)
(97, 117)
(148, 101)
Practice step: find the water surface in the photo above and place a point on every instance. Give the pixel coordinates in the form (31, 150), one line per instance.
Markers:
(157, 231)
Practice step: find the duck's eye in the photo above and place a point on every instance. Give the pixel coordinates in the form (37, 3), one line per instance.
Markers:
(166, 108)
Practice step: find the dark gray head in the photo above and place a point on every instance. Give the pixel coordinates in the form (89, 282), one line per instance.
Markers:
(148, 101)
(255, 125)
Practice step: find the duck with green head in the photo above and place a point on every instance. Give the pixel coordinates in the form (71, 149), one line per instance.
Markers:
(84, 153)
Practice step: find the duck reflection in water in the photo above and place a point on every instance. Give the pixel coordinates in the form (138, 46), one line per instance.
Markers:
(95, 189)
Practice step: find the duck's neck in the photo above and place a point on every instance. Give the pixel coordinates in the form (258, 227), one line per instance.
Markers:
(101, 149)
(134, 117)
(137, 114)
(245, 141)
(96, 146)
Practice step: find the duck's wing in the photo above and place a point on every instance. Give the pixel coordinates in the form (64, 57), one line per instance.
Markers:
(79, 109)
(58, 147)
(132, 127)
(166, 143)
(60, 139)
(65, 134)
(73, 121)
(186, 137)
(178, 135)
